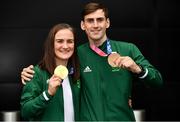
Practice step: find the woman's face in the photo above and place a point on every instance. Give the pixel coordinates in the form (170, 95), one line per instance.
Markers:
(64, 44)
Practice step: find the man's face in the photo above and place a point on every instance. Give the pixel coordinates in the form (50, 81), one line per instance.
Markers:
(95, 25)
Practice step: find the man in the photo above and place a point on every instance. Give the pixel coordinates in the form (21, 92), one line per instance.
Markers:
(105, 89)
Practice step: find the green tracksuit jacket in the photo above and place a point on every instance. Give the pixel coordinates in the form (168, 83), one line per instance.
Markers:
(105, 90)
(35, 107)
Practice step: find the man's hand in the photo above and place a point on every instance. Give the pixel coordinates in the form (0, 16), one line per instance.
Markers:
(27, 74)
(130, 102)
(126, 62)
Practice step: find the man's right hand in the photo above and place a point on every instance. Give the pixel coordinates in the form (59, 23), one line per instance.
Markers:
(27, 74)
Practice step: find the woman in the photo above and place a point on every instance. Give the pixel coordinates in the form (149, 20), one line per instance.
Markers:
(47, 96)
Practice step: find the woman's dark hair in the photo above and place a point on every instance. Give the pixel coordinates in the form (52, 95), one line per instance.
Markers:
(48, 61)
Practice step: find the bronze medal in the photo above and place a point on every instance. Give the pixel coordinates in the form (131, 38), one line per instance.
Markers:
(112, 57)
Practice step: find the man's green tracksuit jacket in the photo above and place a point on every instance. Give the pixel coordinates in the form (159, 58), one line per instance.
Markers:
(105, 90)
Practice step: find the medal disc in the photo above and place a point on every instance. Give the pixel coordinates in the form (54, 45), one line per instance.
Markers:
(112, 57)
(61, 71)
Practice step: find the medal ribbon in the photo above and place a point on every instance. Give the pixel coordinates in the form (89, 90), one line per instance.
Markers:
(100, 52)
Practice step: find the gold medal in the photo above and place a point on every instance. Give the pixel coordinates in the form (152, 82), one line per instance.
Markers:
(61, 71)
(112, 57)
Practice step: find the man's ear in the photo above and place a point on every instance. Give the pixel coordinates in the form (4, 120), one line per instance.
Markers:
(107, 23)
(82, 25)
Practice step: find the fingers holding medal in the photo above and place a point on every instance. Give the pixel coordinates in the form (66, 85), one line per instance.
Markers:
(113, 58)
(55, 81)
(125, 62)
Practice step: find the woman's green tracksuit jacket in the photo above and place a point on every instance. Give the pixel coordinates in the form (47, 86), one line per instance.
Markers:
(36, 108)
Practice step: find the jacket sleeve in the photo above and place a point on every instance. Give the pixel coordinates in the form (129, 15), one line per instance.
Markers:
(33, 101)
(153, 77)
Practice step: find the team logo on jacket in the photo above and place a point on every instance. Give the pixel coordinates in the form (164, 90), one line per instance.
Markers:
(115, 69)
(87, 69)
